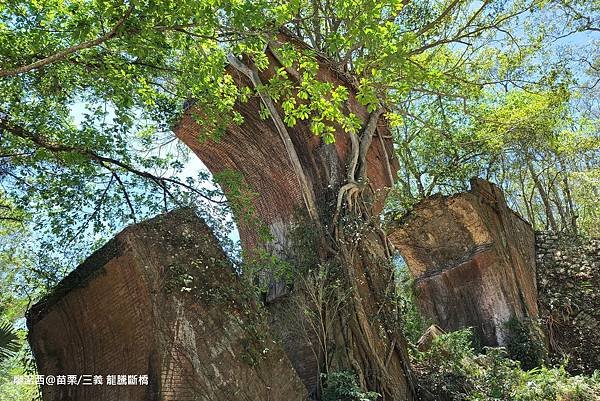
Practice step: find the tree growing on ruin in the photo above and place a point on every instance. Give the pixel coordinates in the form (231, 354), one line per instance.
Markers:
(311, 101)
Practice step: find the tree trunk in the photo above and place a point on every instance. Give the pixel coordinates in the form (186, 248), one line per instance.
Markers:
(364, 337)
(560, 208)
(550, 221)
(567, 190)
(528, 208)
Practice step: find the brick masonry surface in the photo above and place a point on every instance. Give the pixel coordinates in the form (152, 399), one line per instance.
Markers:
(472, 259)
(160, 299)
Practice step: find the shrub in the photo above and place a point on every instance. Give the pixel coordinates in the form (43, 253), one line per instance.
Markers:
(450, 370)
(444, 369)
(411, 321)
(342, 386)
(525, 343)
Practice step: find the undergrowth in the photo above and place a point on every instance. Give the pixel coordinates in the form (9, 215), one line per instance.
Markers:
(454, 369)
(450, 370)
(342, 386)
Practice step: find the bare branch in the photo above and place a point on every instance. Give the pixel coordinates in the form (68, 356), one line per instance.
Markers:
(124, 189)
(96, 210)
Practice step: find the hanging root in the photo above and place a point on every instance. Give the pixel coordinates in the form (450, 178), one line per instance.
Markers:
(252, 74)
(350, 191)
(357, 167)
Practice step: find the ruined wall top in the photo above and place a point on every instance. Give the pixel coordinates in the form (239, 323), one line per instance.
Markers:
(162, 300)
(472, 260)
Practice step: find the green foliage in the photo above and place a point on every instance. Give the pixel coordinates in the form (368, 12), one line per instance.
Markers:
(256, 343)
(8, 340)
(503, 379)
(585, 191)
(241, 200)
(525, 343)
(497, 379)
(263, 266)
(305, 239)
(320, 302)
(342, 386)
(79, 123)
(534, 143)
(542, 143)
(450, 370)
(320, 103)
(20, 364)
(90, 90)
(444, 369)
(15, 360)
(411, 320)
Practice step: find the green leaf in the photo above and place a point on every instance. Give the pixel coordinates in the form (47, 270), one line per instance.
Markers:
(9, 341)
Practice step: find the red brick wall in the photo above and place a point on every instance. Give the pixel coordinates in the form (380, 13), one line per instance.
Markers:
(127, 310)
(472, 259)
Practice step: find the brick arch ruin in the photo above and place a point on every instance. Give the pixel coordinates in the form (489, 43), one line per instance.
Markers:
(139, 306)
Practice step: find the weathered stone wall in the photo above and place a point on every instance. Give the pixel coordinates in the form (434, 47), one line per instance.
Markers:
(162, 300)
(256, 149)
(568, 272)
(472, 259)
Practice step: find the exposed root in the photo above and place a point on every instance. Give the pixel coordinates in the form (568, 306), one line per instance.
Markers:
(351, 173)
(365, 142)
(388, 167)
(348, 191)
(357, 167)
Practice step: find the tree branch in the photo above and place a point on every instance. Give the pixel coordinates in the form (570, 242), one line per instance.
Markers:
(124, 189)
(44, 143)
(436, 21)
(66, 52)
